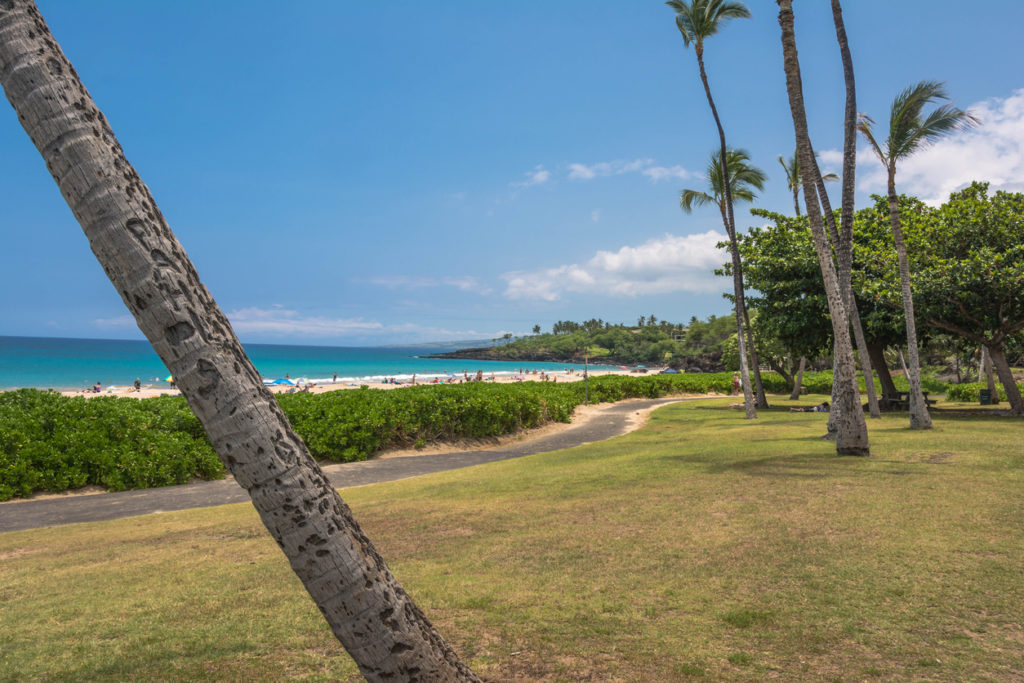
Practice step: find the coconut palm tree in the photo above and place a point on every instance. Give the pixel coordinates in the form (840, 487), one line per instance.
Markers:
(745, 180)
(851, 429)
(910, 131)
(791, 167)
(369, 612)
(697, 20)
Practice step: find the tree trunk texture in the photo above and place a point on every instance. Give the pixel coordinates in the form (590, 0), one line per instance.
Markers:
(799, 380)
(919, 417)
(734, 249)
(369, 612)
(852, 433)
(986, 368)
(796, 200)
(1013, 397)
(877, 353)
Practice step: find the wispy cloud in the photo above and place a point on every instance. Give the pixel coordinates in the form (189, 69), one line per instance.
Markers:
(464, 283)
(285, 322)
(538, 176)
(579, 171)
(992, 152)
(669, 264)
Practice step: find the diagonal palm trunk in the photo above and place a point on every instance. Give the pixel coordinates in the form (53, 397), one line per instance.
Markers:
(919, 417)
(852, 434)
(734, 251)
(369, 612)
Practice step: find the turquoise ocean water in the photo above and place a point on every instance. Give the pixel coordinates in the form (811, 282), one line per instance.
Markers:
(67, 364)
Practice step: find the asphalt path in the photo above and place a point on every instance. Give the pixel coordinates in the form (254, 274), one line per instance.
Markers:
(56, 511)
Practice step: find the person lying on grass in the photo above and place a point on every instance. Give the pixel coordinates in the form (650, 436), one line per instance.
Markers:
(820, 408)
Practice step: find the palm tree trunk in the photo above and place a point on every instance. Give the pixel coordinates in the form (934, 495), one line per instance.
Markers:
(796, 200)
(844, 248)
(799, 380)
(919, 417)
(730, 228)
(761, 401)
(852, 433)
(367, 609)
(1013, 396)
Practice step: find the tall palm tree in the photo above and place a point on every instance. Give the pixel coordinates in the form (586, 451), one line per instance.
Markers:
(843, 237)
(791, 167)
(745, 180)
(696, 21)
(369, 612)
(851, 429)
(909, 132)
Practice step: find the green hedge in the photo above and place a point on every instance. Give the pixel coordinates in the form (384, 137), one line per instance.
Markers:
(970, 393)
(50, 442)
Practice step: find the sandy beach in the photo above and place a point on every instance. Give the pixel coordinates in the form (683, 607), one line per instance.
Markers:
(149, 391)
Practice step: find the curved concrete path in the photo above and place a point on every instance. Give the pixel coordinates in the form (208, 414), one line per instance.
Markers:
(608, 422)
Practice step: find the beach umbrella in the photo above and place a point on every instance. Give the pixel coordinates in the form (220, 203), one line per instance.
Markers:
(283, 381)
(670, 371)
(169, 378)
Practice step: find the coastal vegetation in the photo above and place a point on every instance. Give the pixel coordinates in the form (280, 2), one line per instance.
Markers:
(702, 546)
(53, 443)
(697, 345)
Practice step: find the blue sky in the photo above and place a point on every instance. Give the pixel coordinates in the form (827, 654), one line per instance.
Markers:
(370, 173)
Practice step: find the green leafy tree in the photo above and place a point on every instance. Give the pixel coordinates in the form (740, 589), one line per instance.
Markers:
(698, 20)
(909, 131)
(969, 273)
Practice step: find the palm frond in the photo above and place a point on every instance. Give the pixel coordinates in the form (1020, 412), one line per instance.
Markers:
(690, 199)
(698, 19)
(864, 124)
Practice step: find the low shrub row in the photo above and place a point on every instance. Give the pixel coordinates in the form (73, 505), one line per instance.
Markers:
(971, 393)
(50, 442)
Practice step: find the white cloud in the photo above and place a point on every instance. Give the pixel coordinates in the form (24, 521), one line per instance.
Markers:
(669, 264)
(992, 152)
(538, 176)
(121, 321)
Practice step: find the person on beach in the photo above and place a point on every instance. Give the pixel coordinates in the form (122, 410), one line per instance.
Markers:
(735, 383)
(97, 388)
(335, 380)
(138, 385)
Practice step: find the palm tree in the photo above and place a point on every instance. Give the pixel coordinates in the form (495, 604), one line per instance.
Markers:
(369, 612)
(696, 21)
(851, 429)
(744, 180)
(909, 132)
(791, 167)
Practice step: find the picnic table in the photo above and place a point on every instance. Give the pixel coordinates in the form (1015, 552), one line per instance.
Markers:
(902, 400)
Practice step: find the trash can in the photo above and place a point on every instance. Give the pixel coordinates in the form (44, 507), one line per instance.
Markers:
(986, 397)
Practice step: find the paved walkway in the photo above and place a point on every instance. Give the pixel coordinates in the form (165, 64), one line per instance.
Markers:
(45, 512)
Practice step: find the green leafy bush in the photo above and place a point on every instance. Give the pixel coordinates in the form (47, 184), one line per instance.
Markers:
(50, 442)
(971, 392)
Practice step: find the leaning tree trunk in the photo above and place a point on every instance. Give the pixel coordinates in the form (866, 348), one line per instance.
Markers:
(1013, 397)
(877, 353)
(760, 400)
(852, 434)
(369, 612)
(799, 380)
(734, 248)
(919, 417)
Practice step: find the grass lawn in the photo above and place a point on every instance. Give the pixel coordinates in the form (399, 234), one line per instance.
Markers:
(702, 545)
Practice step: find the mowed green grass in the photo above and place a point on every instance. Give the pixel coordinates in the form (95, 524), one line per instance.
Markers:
(703, 545)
